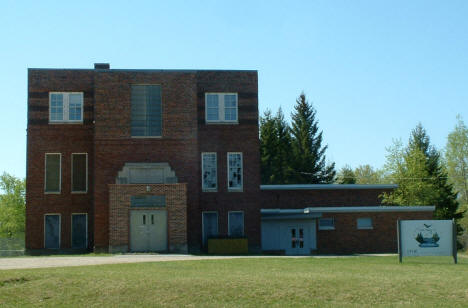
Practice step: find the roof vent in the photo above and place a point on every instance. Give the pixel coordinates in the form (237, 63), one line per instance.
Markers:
(101, 66)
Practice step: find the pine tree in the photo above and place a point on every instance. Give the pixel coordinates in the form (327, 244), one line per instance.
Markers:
(282, 169)
(309, 155)
(268, 147)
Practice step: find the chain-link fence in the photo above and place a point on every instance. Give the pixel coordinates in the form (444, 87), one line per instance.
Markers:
(12, 246)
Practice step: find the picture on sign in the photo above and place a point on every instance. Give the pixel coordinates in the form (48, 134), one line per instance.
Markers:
(427, 236)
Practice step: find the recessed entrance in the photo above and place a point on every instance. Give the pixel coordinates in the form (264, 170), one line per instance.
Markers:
(148, 230)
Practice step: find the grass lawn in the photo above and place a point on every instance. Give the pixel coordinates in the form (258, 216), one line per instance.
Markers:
(354, 281)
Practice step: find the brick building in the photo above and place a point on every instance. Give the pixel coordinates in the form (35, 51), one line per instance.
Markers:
(161, 160)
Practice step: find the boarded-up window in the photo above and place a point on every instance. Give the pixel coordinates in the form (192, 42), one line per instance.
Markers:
(146, 119)
(79, 231)
(236, 224)
(210, 226)
(52, 172)
(79, 172)
(52, 231)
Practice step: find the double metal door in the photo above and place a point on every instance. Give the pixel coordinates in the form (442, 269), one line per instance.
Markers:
(148, 230)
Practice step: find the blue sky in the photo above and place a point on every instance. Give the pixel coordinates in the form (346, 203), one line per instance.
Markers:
(373, 69)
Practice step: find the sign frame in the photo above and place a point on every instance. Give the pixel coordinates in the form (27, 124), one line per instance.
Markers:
(454, 240)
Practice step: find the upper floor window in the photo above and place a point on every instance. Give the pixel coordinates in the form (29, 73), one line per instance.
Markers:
(146, 111)
(221, 107)
(66, 107)
(209, 174)
(234, 171)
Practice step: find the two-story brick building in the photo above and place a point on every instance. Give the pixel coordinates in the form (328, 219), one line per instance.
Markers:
(161, 160)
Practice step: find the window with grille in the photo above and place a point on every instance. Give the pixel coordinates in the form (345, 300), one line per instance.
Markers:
(146, 111)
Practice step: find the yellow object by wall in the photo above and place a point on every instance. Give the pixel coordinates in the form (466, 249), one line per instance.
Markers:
(228, 246)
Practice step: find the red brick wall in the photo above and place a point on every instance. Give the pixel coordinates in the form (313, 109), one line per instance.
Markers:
(114, 146)
(119, 214)
(224, 138)
(66, 139)
(105, 136)
(346, 238)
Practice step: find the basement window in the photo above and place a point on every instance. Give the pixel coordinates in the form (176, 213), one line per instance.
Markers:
(65, 107)
(221, 108)
(364, 223)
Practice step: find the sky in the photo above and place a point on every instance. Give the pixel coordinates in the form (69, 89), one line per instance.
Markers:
(372, 69)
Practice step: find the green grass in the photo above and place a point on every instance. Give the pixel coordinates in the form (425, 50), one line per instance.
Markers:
(354, 281)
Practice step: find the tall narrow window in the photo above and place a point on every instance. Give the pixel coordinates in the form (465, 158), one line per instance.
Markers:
(146, 114)
(79, 172)
(235, 171)
(65, 107)
(236, 224)
(52, 173)
(209, 174)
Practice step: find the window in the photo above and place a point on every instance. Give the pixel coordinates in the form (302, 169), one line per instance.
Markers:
(79, 172)
(79, 232)
(146, 114)
(221, 107)
(52, 172)
(364, 223)
(234, 171)
(236, 224)
(209, 176)
(65, 107)
(209, 225)
(52, 231)
(326, 224)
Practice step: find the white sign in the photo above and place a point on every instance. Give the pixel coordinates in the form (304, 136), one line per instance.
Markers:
(426, 238)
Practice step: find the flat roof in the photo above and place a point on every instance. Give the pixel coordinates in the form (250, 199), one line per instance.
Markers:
(348, 209)
(140, 70)
(327, 186)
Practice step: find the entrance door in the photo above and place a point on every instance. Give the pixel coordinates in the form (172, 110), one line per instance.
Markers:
(298, 243)
(79, 231)
(148, 230)
(52, 231)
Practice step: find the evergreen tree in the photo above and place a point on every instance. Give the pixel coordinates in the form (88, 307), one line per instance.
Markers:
(268, 147)
(282, 168)
(309, 155)
(346, 176)
(420, 176)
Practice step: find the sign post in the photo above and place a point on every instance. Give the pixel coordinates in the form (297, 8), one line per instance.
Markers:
(426, 238)
(399, 240)
(454, 241)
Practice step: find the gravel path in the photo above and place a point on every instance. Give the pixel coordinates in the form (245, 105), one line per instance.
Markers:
(45, 261)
